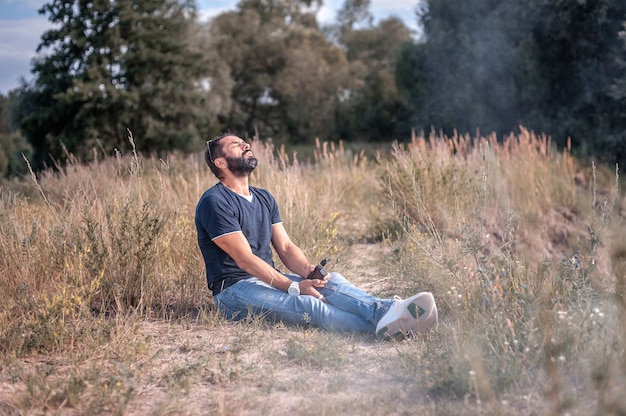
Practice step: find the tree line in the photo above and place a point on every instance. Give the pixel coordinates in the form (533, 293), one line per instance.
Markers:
(154, 68)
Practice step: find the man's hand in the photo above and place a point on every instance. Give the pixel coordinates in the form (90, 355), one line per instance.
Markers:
(308, 287)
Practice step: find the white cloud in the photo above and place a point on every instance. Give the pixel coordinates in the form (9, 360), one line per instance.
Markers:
(208, 13)
(18, 45)
(393, 4)
(208, 9)
(20, 38)
(34, 4)
(404, 9)
(380, 9)
(326, 14)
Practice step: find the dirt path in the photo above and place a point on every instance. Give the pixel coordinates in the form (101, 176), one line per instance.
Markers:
(258, 368)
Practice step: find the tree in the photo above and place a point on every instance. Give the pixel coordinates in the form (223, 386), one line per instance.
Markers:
(4, 137)
(619, 88)
(354, 13)
(12, 144)
(489, 65)
(579, 63)
(308, 87)
(110, 66)
(286, 77)
(293, 81)
(372, 108)
(468, 70)
(614, 144)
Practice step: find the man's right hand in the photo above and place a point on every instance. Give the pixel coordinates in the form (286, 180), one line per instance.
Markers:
(308, 287)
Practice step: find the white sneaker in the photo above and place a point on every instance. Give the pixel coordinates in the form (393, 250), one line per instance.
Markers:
(417, 313)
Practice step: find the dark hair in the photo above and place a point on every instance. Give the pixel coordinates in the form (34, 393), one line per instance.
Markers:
(214, 150)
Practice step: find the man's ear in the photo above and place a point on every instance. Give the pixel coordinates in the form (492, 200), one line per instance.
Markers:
(220, 162)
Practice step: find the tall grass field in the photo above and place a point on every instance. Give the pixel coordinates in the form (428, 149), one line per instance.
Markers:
(104, 307)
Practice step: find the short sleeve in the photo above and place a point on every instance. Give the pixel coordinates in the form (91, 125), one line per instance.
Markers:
(217, 216)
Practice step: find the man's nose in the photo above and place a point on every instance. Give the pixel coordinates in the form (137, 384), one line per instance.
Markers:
(245, 145)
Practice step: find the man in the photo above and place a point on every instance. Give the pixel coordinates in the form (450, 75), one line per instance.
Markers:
(236, 223)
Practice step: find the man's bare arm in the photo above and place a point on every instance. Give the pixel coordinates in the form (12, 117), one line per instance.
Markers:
(237, 247)
(290, 254)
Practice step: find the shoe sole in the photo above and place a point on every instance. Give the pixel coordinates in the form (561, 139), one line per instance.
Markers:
(397, 329)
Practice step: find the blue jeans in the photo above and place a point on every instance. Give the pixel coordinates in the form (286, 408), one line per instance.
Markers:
(347, 308)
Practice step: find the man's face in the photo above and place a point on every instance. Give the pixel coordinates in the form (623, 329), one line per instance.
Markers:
(240, 159)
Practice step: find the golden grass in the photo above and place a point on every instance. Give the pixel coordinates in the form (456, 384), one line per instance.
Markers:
(106, 310)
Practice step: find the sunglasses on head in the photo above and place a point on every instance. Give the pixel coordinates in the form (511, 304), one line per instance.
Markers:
(210, 143)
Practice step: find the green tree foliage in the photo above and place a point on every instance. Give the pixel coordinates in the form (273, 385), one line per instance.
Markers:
(285, 76)
(491, 65)
(619, 89)
(616, 143)
(109, 66)
(12, 144)
(5, 132)
(553, 66)
(308, 88)
(372, 108)
(469, 69)
(578, 60)
(353, 13)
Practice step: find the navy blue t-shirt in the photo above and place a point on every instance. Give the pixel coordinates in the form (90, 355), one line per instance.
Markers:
(221, 211)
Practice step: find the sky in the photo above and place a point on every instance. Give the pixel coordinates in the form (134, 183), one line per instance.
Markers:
(21, 27)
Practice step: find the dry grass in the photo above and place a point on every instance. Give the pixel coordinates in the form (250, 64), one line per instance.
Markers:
(106, 311)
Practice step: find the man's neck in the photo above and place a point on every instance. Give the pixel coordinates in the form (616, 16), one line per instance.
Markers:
(237, 185)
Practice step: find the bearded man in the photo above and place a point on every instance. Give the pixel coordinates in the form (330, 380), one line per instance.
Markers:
(237, 224)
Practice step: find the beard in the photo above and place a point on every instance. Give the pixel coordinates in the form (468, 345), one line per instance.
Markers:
(242, 166)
